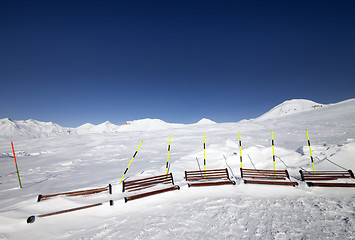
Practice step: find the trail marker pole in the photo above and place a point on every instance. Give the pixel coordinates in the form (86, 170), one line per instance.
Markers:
(204, 152)
(273, 149)
(240, 150)
(310, 150)
(131, 161)
(167, 161)
(18, 174)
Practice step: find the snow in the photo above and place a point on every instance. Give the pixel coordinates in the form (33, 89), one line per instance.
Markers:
(35, 129)
(146, 125)
(291, 107)
(101, 128)
(205, 121)
(30, 128)
(70, 162)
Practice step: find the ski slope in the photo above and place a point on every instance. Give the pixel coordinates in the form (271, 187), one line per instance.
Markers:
(95, 158)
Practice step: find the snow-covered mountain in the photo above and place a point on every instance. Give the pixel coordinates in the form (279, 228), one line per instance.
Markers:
(147, 125)
(31, 128)
(205, 121)
(101, 128)
(291, 107)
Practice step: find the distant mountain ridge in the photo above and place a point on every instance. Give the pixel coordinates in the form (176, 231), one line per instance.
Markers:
(33, 128)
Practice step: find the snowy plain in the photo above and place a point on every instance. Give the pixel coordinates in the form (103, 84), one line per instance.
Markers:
(94, 156)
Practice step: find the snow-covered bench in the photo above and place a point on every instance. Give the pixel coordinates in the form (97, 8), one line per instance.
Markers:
(155, 185)
(208, 177)
(76, 193)
(327, 176)
(269, 176)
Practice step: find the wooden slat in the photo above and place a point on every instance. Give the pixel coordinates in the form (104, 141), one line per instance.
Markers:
(265, 177)
(325, 184)
(175, 187)
(205, 176)
(262, 170)
(75, 193)
(270, 182)
(211, 170)
(69, 210)
(320, 178)
(201, 184)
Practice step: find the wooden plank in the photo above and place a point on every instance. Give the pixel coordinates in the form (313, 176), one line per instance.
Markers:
(175, 187)
(320, 178)
(206, 177)
(69, 210)
(201, 184)
(262, 170)
(265, 177)
(325, 184)
(75, 193)
(270, 182)
(211, 170)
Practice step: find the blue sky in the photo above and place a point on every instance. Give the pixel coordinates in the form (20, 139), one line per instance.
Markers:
(73, 62)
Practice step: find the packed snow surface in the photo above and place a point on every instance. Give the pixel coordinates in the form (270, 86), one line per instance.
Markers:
(93, 159)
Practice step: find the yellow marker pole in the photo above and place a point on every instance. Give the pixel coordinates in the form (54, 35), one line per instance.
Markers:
(240, 150)
(204, 152)
(273, 150)
(131, 161)
(167, 161)
(310, 150)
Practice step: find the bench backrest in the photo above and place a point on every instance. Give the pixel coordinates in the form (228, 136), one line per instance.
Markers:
(325, 175)
(76, 193)
(143, 183)
(265, 174)
(215, 174)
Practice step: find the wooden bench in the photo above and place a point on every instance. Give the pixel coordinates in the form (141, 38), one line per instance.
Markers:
(149, 182)
(76, 193)
(268, 176)
(208, 177)
(326, 176)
